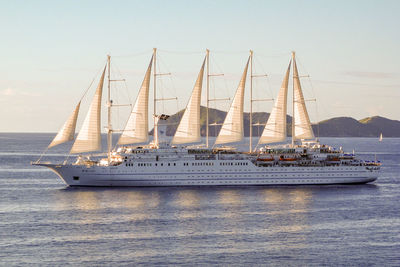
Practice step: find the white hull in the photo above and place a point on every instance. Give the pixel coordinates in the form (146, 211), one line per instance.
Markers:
(78, 175)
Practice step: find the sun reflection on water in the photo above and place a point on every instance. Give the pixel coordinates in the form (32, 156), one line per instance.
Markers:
(188, 202)
(288, 210)
(188, 198)
(198, 213)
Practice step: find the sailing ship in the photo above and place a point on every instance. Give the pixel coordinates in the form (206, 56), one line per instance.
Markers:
(137, 161)
(380, 137)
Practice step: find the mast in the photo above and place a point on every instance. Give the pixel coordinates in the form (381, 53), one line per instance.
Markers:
(208, 96)
(155, 128)
(208, 92)
(109, 104)
(251, 102)
(293, 121)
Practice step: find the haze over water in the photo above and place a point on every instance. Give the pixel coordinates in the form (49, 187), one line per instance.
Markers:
(44, 222)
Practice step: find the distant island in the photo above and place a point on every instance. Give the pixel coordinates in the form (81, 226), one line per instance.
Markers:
(335, 127)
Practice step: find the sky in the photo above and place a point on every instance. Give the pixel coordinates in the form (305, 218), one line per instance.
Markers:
(51, 51)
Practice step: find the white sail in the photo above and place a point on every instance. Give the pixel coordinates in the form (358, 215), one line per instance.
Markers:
(302, 126)
(89, 137)
(232, 129)
(275, 129)
(188, 130)
(67, 131)
(137, 128)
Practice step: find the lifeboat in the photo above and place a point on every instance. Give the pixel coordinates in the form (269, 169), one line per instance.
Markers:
(347, 157)
(282, 158)
(265, 159)
(288, 159)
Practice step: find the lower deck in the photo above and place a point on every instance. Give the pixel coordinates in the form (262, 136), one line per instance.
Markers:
(219, 182)
(123, 176)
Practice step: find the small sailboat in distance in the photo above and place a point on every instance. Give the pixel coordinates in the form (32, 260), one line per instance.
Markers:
(380, 138)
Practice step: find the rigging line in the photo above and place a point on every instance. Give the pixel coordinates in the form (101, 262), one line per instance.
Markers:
(220, 71)
(225, 106)
(91, 83)
(231, 52)
(306, 71)
(161, 84)
(67, 157)
(312, 91)
(257, 61)
(318, 124)
(213, 103)
(316, 107)
(274, 55)
(135, 55)
(213, 111)
(84, 94)
(116, 112)
(161, 63)
(181, 52)
(180, 115)
(118, 71)
(172, 90)
(43, 153)
(298, 60)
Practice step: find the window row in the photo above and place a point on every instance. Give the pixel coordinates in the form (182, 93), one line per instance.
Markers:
(150, 164)
(202, 164)
(233, 163)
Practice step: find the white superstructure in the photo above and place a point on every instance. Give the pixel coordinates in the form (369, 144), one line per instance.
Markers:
(177, 167)
(304, 161)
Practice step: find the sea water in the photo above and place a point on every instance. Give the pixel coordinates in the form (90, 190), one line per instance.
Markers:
(44, 222)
